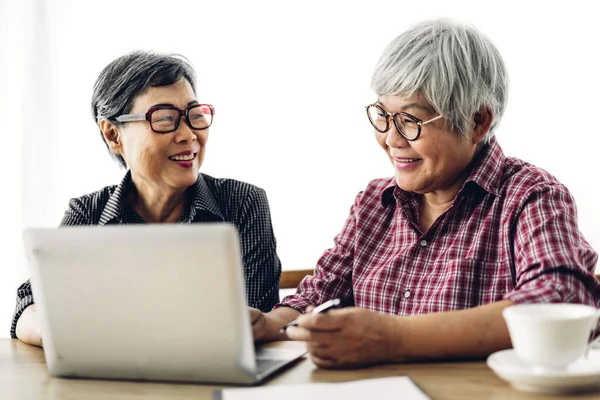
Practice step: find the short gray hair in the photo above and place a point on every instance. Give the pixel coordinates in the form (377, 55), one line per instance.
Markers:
(456, 68)
(121, 81)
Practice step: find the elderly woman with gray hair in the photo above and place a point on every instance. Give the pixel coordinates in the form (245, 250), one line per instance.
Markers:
(427, 260)
(152, 123)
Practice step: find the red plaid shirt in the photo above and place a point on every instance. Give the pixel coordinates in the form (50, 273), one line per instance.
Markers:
(511, 233)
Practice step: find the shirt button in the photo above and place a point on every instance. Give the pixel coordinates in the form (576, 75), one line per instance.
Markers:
(406, 294)
(423, 243)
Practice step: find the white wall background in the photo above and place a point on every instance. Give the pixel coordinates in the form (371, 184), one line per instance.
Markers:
(289, 81)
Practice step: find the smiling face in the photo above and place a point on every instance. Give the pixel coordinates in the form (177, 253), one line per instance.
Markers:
(435, 163)
(168, 160)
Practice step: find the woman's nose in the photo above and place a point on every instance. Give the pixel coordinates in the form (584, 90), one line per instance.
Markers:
(184, 133)
(394, 138)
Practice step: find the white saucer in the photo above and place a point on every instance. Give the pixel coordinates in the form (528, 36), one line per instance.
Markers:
(582, 375)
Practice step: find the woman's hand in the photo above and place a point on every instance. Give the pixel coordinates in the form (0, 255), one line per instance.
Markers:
(259, 324)
(28, 329)
(266, 326)
(349, 337)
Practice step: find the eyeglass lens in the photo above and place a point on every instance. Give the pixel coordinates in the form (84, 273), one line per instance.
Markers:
(167, 119)
(405, 123)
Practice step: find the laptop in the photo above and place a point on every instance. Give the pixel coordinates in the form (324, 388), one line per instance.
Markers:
(146, 302)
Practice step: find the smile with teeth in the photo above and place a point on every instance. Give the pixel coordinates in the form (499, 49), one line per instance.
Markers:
(187, 157)
(407, 160)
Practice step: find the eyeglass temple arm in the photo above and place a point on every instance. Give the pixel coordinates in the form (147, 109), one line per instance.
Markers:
(432, 119)
(131, 117)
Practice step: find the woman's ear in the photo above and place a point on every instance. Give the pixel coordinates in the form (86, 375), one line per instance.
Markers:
(483, 120)
(112, 135)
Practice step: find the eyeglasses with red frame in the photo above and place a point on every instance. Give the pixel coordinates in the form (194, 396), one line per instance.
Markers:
(165, 119)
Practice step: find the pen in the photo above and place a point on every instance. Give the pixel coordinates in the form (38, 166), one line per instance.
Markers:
(324, 307)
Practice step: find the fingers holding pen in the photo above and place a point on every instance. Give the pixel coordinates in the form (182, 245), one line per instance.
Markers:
(349, 337)
(306, 335)
(322, 328)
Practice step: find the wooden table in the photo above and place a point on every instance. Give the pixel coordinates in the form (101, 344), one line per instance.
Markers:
(23, 376)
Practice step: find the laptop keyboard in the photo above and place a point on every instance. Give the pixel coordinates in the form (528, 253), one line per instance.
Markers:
(265, 364)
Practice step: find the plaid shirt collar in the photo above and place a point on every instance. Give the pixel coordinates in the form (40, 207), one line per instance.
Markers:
(203, 201)
(486, 172)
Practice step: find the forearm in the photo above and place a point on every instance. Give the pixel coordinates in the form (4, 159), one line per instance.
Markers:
(471, 333)
(28, 329)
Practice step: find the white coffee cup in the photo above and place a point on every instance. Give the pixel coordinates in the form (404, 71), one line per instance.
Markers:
(550, 337)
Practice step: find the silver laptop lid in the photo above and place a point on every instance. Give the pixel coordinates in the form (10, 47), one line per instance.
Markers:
(142, 302)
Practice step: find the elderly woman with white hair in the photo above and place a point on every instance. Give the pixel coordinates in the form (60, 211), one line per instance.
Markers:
(427, 260)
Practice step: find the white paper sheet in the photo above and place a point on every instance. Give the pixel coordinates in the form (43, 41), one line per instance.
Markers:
(400, 387)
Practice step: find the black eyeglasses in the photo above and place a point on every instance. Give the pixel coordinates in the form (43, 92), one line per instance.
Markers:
(165, 119)
(407, 125)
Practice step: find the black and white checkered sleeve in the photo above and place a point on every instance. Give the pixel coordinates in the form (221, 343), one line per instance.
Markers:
(75, 215)
(24, 300)
(262, 267)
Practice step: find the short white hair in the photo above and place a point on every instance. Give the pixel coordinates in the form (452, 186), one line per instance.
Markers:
(456, 68)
